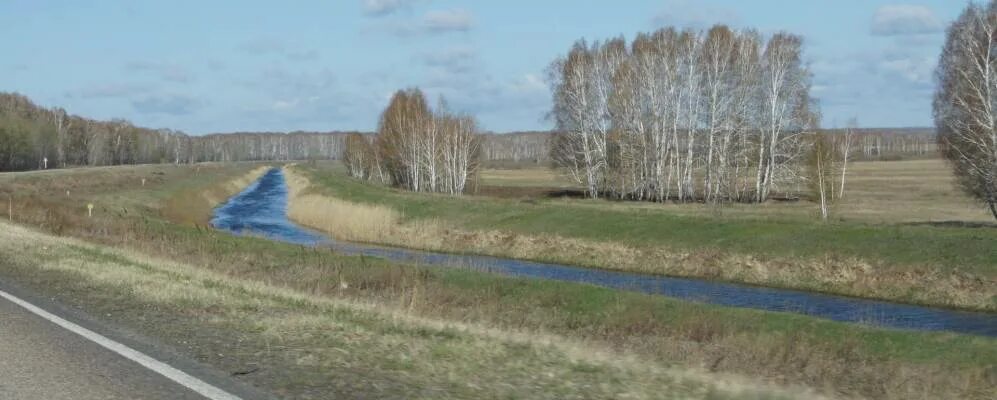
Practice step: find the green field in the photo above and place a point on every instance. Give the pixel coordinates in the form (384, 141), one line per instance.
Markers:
(378, 329)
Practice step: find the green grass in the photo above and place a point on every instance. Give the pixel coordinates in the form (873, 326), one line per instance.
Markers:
(303, 346)
(966, 249)
(663, 333)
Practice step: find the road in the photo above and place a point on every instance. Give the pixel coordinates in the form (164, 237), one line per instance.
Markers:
(42, 360)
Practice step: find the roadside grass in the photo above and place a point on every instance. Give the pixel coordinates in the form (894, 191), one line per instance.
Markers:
(437, 329)
(303, 346)
(944, 266)
(305, 351)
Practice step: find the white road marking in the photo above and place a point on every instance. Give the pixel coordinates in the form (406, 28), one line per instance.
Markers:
(203, 388)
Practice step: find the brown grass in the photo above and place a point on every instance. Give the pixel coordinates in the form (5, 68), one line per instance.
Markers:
(193, 206)
(347, 220)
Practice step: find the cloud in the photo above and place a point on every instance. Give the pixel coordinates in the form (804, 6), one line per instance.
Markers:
(685, 13)
(456, 60)
(166, 71)
(914, 68)
(432, 22)
(511, 103)
(301, 99)
(380, 8)
(896, 20)
(282, 83)
(858, 83)
(456, 20)
(168, 104)
(275, 47)
(109, 90)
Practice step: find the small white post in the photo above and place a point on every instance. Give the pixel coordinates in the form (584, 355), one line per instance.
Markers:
(90, 210)
(10, 208)
(45, 162)
(143, 182)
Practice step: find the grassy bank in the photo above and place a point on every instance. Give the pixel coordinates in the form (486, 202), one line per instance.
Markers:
(349, 326)
(303, 346)
(361, 327)
(954, 267)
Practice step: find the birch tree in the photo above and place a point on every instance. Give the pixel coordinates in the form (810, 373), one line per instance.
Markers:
(965, 102)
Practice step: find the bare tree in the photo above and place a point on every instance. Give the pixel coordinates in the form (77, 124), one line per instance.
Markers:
(965, 100)
(821, 165)
(845, 150)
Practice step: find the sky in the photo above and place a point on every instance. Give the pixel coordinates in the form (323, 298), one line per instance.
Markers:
(248, 65)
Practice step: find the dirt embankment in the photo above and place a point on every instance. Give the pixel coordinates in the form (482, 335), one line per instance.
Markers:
(194, 206)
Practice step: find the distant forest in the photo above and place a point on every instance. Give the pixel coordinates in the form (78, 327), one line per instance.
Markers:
(31, 134)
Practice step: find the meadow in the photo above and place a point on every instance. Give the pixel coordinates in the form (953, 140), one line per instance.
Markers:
(309, 323)
(902, 232)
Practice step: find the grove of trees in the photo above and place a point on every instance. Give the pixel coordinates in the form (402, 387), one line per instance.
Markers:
(719, 115)
(965, 101)
(417, 148)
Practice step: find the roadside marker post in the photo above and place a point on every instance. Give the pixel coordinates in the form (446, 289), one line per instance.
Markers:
(90, 210)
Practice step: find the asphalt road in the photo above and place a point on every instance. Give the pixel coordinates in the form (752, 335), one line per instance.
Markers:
(42, 360)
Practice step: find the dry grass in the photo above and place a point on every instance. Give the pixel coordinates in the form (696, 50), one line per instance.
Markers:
(907, 191)
(875, 192)
(193, 206)
(429, 358)
(346, 220)
(526, 177)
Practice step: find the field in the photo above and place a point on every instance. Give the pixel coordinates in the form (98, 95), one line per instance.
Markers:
(312, 323)
(877, 192)
(911, 238)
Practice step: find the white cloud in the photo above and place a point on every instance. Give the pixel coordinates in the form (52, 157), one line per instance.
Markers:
(166, 71)
(916, 69)
(686, 13)
(896, 20)
(109, 90)
(455, 60)
(271, 46)
(380, 8)
(432, 22)
(528, 84)
(168, 104)
(458, 20)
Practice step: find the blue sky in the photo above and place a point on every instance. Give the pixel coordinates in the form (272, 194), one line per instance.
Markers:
(218, 66)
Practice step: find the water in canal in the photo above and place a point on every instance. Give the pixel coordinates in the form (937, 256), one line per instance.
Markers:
(261, 210)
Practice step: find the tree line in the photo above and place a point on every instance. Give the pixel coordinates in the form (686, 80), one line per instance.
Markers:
(417, 148)
(719, 115)
(34, 137)
(869, 144)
